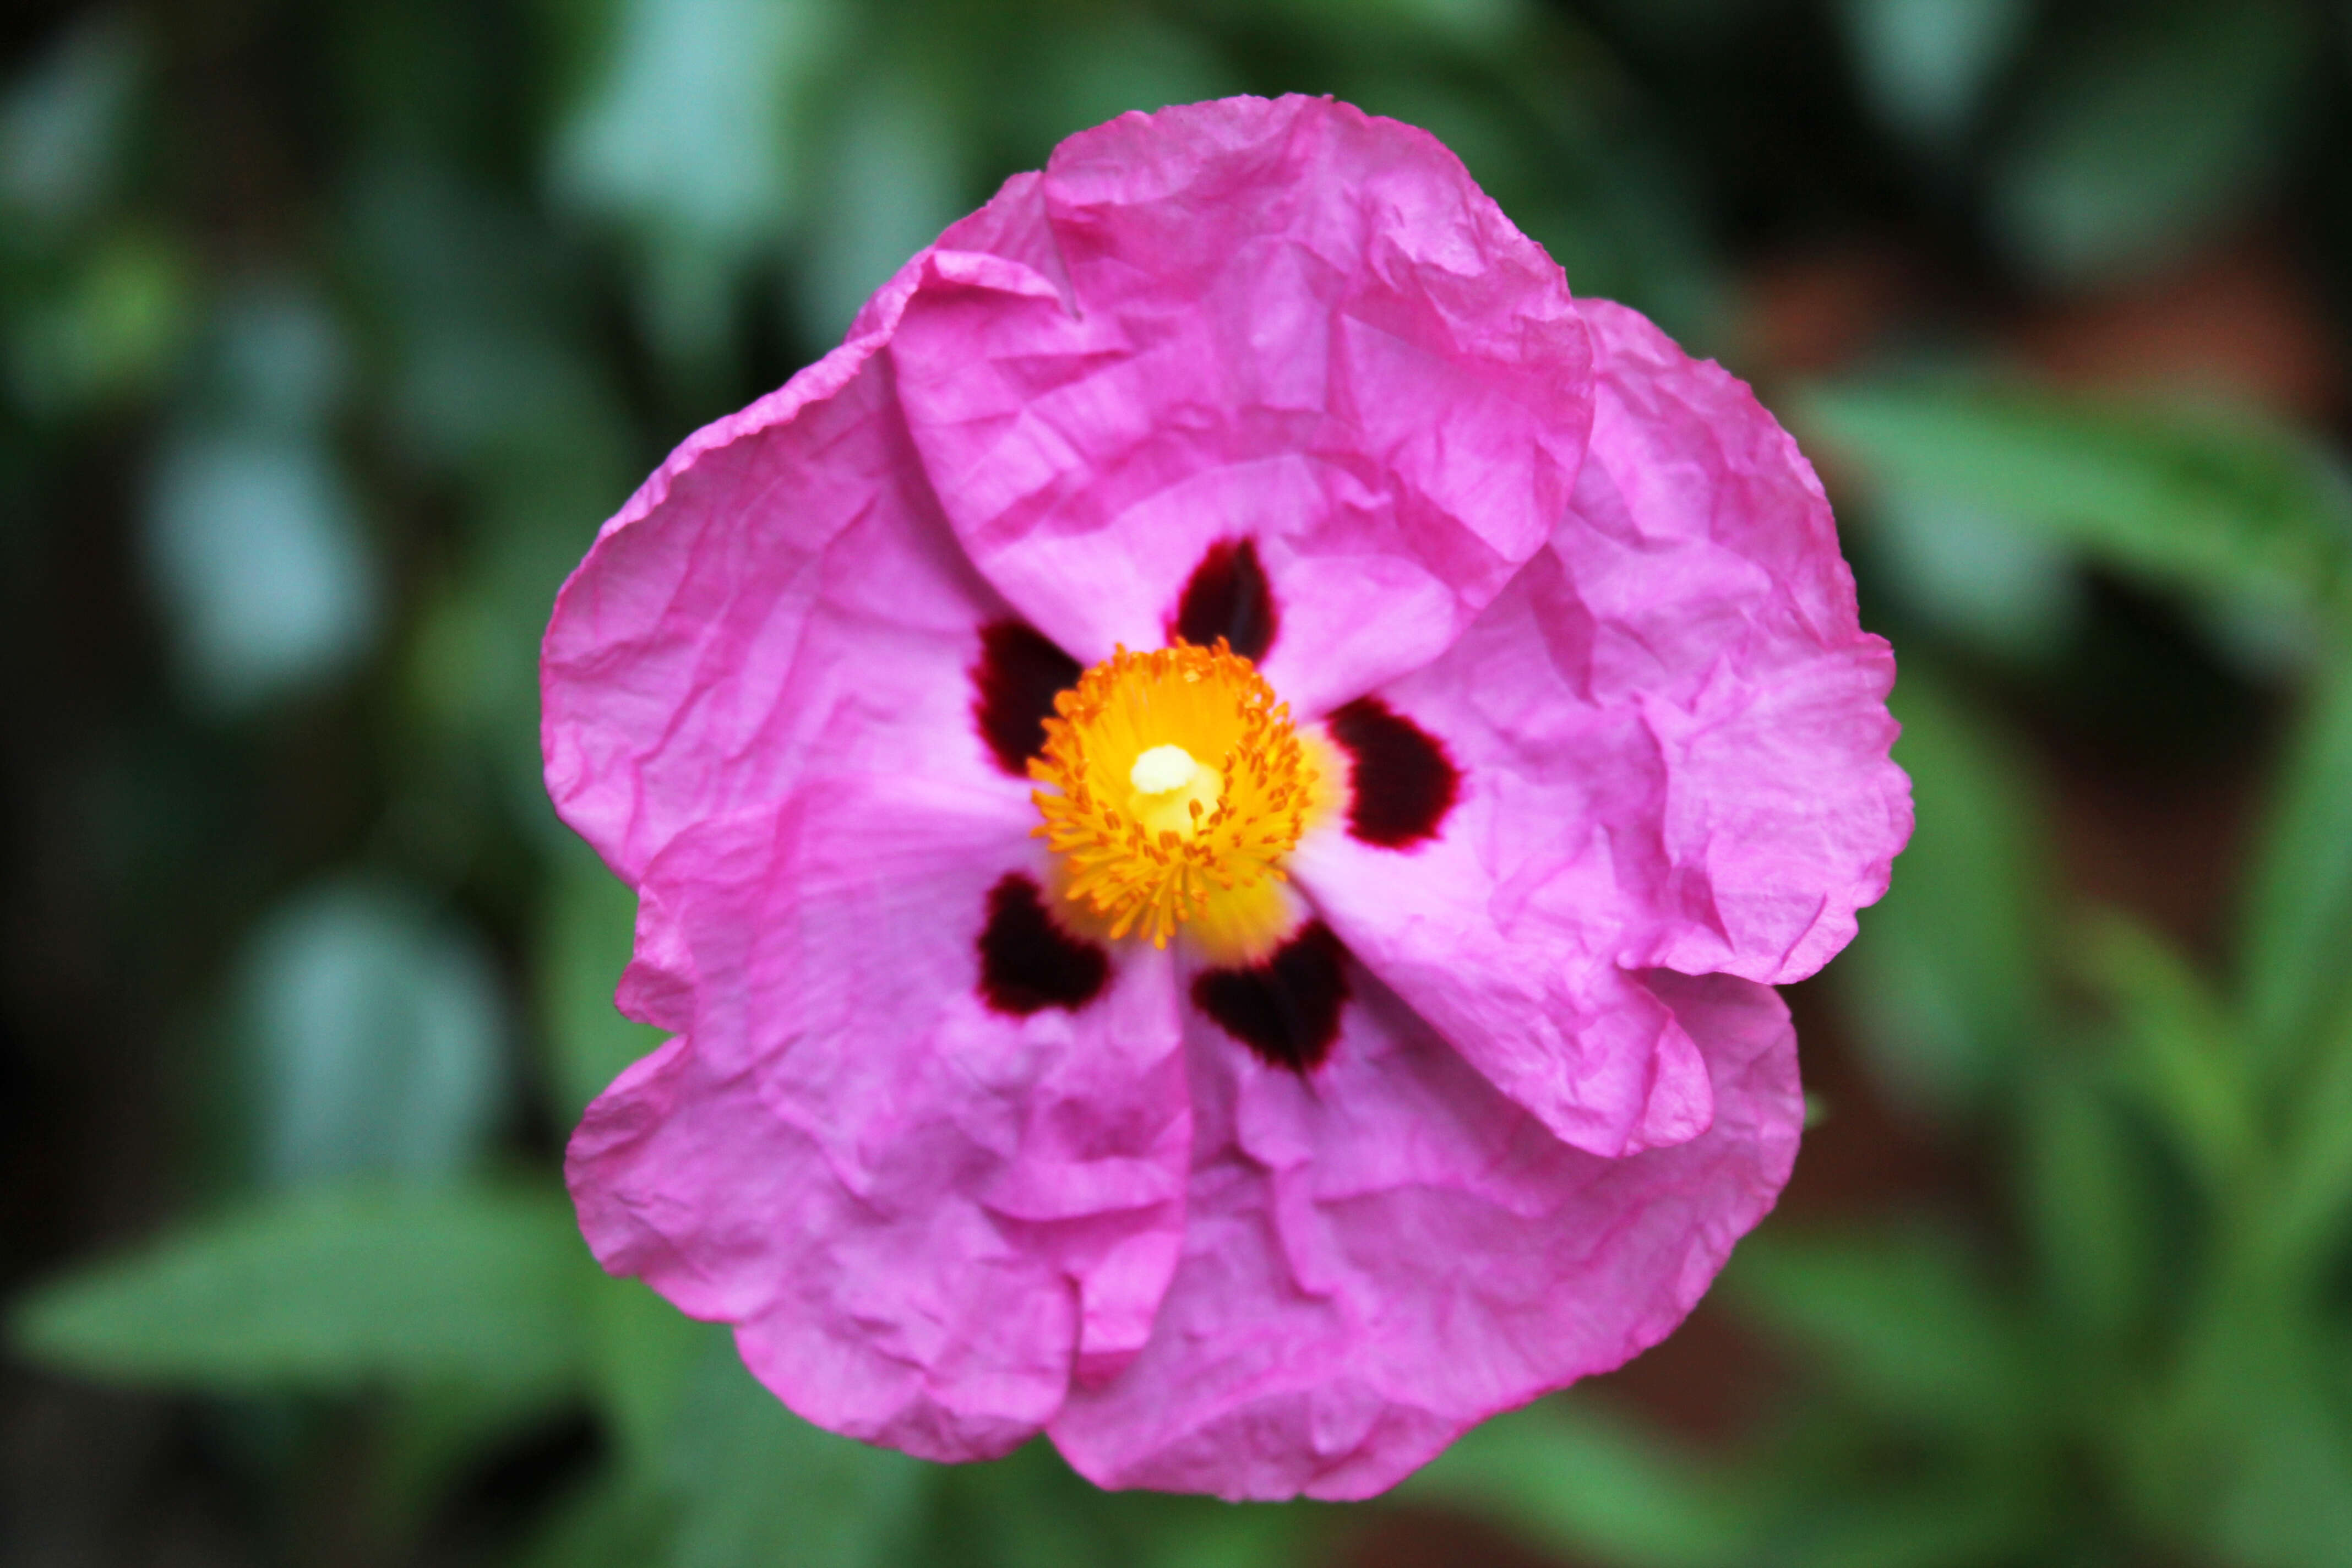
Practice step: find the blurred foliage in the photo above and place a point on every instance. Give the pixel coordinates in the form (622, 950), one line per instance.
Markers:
(329, 334)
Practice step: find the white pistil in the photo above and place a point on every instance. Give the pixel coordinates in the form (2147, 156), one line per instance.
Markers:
(1162, 769)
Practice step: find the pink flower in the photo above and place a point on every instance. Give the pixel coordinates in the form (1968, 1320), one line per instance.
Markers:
(1300, 1045)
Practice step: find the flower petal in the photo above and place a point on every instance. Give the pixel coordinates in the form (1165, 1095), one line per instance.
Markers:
(924, 1214)
(1380, 1256)
(783, 588)
(1765, 701)
(1286, 322)
(1673, 742)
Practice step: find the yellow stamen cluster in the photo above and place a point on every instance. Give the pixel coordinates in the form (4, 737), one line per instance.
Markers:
(1175, 780)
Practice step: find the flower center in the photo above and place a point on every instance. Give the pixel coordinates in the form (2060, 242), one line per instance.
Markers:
(1176, 787)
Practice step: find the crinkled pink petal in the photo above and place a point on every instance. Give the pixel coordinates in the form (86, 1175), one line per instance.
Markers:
(1673, 737)
(1286, 322)
(1383, 1255)
(1709, 578)
(1556, 1025)
(782, 590)
(923, 1216)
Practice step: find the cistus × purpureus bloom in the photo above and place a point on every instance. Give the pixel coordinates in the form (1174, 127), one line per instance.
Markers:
(1216, 798)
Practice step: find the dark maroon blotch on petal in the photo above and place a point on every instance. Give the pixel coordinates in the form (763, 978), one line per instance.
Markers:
(1028, 963)
(1228, 597)
(1013, 686)
(1285, 1009)
(1404, 783)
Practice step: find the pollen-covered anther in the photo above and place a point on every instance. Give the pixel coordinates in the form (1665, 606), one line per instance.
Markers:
(1174, 782)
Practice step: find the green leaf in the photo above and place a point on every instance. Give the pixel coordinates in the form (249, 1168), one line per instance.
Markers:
(1924, 65)
(586, 932)
(897, 180)
(1958, 1517)
(646, 1351)
(694, 135)
(2309, 1209)
(330, 1290)
(378, 1034)
(2295, 959)
(253, 543)
(690, 125)
(1206, 1534)
(1030, 1509)
(435, 1436)
(2091, 1215)
(2216, 503)
(611, 1522)
(2288, 1502)
(2177, 1048)
(1025, 1510)
(1974, 574)
(2153, 134)
(1902, 1321)
(111, 332)
(1948, 980)
(1094, 67)
(2295, 941)
(63, 121)
(491, 356)
(2254, 1447)
(279, 358)
(1563, 1475)
(758, 1486)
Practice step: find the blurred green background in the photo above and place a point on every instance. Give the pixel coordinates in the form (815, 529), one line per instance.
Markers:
(329, 332)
